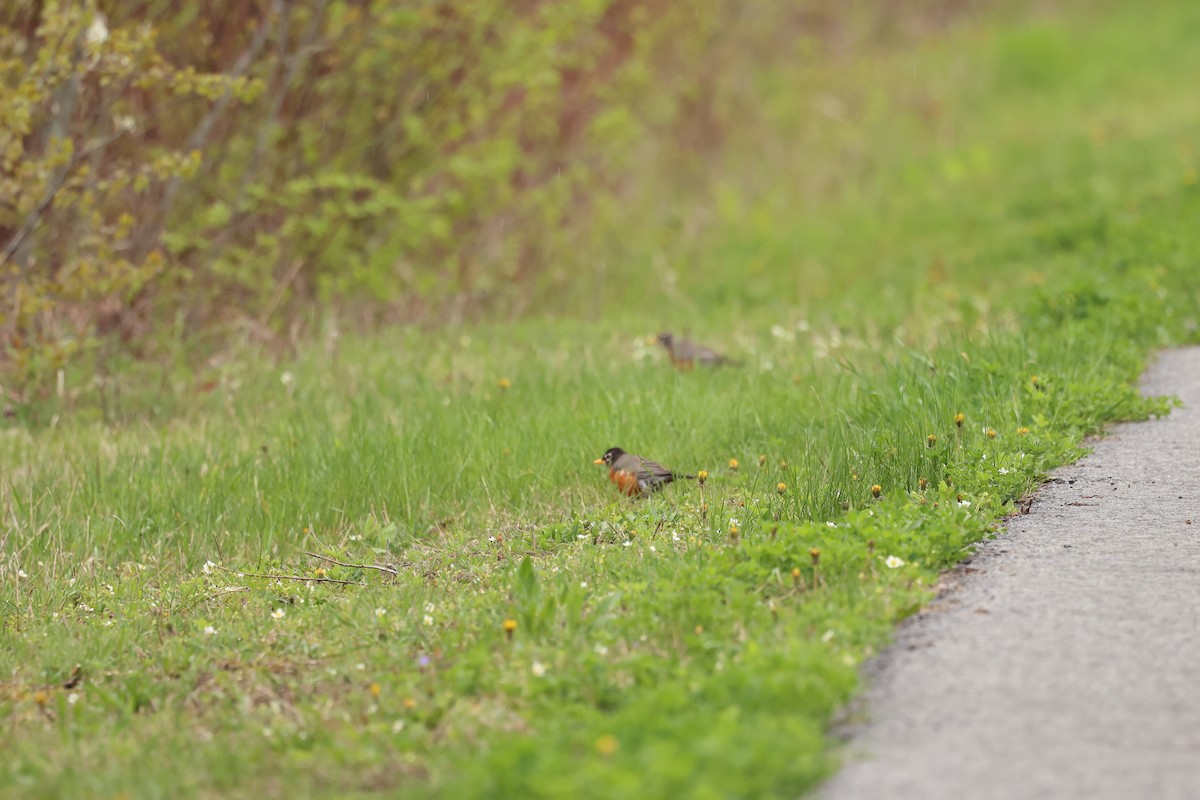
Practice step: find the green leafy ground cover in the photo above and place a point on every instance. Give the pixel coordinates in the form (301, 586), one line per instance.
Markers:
(1007, 231)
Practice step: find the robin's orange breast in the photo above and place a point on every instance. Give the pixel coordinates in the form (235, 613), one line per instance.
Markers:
(627, 482)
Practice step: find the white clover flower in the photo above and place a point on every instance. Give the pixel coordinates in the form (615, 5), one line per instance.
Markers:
(208, 567)
(22, 573)
(831, 524)
(828, 635)
(601, 650)
(73, 698)
(427, 619)
(894, 562)
(626, 543)
(209, 630)
(583, 584)
(653, 549)
(538, 669)
(287, 379)
(278, 613)
(381, 612)
(1003, 470)
(964, 503)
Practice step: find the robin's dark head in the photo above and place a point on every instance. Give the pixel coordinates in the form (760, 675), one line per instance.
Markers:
(666, 339)
(610, 456)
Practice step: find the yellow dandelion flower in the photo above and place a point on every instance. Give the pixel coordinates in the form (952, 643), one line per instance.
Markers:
(762, 460)
(781, 487)
(991, 433)
(504, 383)
(702, 476)
(510, 626)
(815, 554)
(959, 419)
(607, 744)
(931, 440)
(376, 690)
(1022, 431)
(922, 483)
(733, 464)
(409, 704)
(876, 490)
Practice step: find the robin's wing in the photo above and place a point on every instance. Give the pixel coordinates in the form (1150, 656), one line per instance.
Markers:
(651, 473)
(705, 355)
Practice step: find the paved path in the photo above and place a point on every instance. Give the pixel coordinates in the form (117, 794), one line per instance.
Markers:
(1065, 662)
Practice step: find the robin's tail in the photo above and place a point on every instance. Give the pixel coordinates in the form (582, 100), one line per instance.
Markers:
(682, 476)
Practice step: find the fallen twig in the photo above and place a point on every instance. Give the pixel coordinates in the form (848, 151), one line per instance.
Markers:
(313, 579)
(381, 568)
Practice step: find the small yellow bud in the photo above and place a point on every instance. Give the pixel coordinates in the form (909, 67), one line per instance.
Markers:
(607, 745)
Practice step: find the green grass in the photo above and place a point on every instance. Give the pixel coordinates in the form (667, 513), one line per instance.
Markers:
(879, 274)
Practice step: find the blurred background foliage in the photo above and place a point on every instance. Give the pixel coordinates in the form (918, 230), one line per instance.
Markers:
(174, 176)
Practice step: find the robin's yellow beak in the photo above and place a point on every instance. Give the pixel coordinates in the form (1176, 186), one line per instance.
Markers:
(598, 461)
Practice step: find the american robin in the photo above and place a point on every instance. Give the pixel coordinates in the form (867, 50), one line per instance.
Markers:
(635, 475)
(685, 355)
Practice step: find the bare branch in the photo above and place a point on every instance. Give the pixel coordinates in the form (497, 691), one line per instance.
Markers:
(313, 579)
(380, 567)
(196, 141)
